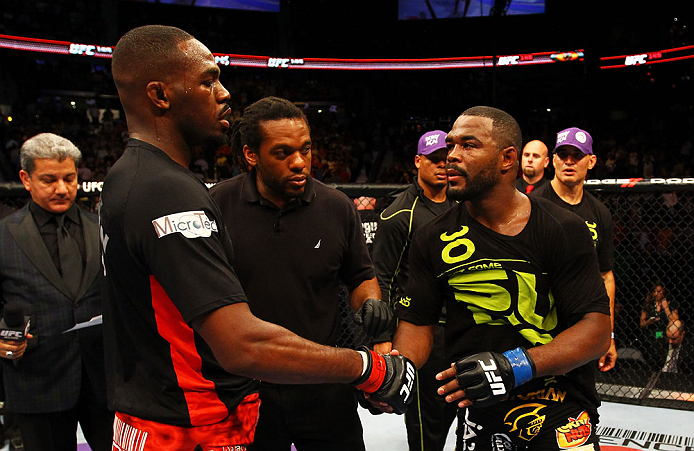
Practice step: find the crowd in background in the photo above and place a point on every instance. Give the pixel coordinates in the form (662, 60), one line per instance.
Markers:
(346, 148)
(642, 119)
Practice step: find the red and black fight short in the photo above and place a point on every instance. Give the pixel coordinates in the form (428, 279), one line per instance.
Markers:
(234, 433)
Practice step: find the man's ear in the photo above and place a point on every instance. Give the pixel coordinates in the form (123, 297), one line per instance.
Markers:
(593, 160)
(156, 91)
(250, 155)
(417, 161)
(26, 179)
(509, 157)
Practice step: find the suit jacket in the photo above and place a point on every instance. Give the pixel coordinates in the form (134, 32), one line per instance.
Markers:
(49, 376)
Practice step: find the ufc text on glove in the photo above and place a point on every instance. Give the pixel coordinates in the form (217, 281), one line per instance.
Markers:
(388, 378)
(488, 377)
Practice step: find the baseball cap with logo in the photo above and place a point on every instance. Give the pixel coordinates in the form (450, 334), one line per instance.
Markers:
(431, 142)
(577, 138)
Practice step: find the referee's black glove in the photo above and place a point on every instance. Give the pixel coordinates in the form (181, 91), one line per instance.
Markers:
(377, 319)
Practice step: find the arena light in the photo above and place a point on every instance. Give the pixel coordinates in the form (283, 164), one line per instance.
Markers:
(272, 62)
(640, 59)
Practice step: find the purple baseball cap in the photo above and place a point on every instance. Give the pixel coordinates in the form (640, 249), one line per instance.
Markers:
(431, 142)
(577, 138)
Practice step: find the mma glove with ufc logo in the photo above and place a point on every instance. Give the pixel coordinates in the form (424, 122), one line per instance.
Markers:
(387, 378)
(489, 377)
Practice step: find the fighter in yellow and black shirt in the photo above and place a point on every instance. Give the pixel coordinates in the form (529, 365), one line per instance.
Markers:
(508, 293)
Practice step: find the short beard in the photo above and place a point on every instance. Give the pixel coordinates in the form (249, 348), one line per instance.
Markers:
(529, 172)
(474, 186)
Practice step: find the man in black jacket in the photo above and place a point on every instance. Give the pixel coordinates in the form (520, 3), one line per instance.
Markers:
(50, 267)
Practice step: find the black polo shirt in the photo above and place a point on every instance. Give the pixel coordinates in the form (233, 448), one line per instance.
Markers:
(290, 261)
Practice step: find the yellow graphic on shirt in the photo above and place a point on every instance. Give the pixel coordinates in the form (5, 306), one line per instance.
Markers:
(593, 228)
(495, 294)
(485, 293)
(469, 247)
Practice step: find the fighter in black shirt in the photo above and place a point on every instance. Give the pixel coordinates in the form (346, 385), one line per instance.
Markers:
(176, 322)
(526, 308)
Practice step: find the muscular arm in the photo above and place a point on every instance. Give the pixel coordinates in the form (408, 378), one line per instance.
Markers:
(245, 345)
(581, 343)
(586, 340)
(414, 342)
(608, 278)
(365, 290)
(608, 360)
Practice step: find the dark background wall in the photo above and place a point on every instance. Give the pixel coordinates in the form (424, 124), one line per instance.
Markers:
(645, 109)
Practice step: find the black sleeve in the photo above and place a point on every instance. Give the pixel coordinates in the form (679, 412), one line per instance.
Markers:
(181, 242)
(423, 301)
(388, 249)
(576, 283)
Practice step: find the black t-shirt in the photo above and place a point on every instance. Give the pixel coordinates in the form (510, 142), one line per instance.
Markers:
(596, 216)
(166, 255)
(502, 291)
(290, 262)
(409, 211)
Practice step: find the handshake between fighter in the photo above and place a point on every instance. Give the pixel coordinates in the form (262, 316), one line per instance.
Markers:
(387, 378)
(484, 378)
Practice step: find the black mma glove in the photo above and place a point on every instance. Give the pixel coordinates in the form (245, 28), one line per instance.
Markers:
(377, 319)
(489, 377)
(388, 378)
(366, 404)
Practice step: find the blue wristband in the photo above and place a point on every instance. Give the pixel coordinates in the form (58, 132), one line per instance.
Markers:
(522, 367)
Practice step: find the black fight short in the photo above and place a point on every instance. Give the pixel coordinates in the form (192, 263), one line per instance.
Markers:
(545, 421)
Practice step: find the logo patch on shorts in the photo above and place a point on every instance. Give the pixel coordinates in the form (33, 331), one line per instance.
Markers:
(191, 224)
(574, 433)
(525, 419)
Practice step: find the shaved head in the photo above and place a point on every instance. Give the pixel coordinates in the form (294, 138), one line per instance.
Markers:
(538, 147)
(145, 53)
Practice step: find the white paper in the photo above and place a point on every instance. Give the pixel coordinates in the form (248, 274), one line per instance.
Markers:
(92, 322)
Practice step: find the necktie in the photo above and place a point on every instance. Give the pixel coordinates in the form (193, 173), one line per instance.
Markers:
(70, 257)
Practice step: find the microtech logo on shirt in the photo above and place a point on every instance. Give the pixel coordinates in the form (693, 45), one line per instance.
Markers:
(191, 224)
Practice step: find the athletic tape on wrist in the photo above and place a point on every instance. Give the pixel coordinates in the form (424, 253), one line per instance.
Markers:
(364, 361)
(378, 373)
(522, 367)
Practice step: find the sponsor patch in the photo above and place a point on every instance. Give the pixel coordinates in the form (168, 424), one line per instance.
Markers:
(191, 224)
(574, 433)
(526, 420)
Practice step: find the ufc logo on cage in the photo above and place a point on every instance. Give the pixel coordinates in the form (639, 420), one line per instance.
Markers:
(495, 381)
